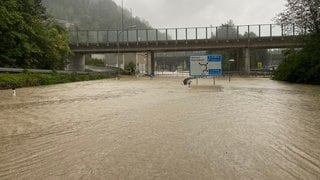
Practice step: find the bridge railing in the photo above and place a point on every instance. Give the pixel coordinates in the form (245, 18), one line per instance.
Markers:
(217, 33)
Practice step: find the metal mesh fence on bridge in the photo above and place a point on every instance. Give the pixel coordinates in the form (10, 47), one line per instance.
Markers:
(217, 33)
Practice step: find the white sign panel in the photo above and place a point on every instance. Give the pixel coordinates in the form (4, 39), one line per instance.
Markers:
(208, 65)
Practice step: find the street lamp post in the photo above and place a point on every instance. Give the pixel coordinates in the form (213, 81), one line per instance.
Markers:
(118, 36)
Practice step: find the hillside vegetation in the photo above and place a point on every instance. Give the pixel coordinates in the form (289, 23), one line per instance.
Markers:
(28, 38)
(302, 65)
(92, 14)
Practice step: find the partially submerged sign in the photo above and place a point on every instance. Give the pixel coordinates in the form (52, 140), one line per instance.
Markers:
(207, 65)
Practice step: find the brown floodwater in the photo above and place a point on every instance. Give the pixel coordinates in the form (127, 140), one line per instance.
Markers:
(159, 129)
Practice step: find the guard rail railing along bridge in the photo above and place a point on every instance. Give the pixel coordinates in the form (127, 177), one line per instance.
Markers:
(191, 38)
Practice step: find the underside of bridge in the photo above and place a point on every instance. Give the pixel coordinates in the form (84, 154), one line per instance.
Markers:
(242, 38)
(77, 62)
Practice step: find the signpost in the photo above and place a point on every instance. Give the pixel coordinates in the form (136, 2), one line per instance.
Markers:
(206, 65)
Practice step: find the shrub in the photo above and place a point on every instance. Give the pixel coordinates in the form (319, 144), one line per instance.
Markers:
(35, 79)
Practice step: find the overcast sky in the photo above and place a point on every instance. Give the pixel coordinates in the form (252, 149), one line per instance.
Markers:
(191, 13)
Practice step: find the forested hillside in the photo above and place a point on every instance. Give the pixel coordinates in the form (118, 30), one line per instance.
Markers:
(92, 14)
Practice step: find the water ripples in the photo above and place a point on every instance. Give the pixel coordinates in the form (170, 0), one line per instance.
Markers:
(159, 129)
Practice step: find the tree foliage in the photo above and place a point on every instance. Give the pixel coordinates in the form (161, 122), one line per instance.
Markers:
(94, 62)
(229, 31)
(303, 13)
(96, 14)
(303, 65)
(130, 68)
(28, 39)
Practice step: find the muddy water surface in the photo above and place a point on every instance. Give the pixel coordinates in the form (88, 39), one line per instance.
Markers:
(159, 129)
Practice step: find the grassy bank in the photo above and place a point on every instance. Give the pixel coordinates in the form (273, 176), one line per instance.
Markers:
(8, 80)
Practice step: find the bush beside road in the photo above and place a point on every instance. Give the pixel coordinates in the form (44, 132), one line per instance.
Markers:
(18, 80)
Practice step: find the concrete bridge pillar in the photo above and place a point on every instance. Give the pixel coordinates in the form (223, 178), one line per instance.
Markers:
(150, 63)
(77, 62)
(247, 59)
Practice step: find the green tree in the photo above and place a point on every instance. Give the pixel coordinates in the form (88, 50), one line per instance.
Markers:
(130, 68)
(94, 62)
(303, 65)
(28, 39)
(226, 31)
(303, 13)
(12, 39)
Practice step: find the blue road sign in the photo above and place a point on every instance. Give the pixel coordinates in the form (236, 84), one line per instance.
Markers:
(208, 65)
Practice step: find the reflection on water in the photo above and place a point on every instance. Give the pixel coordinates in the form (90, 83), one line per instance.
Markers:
(159, 129)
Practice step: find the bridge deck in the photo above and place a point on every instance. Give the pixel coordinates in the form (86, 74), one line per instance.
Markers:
(190, 45)
(185, 39)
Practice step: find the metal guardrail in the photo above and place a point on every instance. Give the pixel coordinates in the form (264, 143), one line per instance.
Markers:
(217, 33)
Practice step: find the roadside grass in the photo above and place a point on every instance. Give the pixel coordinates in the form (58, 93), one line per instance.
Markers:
(9, 80)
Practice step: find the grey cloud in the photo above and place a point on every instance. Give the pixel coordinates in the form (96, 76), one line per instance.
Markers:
(186, 13)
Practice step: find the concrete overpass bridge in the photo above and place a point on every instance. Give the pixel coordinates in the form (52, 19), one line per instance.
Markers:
(244, 37)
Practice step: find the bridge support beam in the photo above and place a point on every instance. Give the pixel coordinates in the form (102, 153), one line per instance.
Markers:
(150, 63)
(77, 63)
(247, 60)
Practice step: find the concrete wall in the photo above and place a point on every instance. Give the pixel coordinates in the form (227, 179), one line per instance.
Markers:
(77, 62)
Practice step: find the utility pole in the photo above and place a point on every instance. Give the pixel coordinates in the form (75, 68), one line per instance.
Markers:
(122, 19)
(122, 30)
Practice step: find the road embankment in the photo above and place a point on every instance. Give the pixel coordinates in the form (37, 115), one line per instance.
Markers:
(9, 80)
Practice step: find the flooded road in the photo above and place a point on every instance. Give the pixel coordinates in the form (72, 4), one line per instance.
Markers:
(159, 129)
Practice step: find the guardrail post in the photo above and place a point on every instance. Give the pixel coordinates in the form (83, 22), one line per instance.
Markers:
(137, 36)
(281, 31)
(107, 38)
(147, 38)
(227, 35)
(206, 33)
(248, 32)
(97, 37)
(217, 34)
(87, 37)
(186, 35)
(259, 31)
(167, 35)
(270, 32)
(77, 37)
(176, 36)
(293, 31)
(196, 34)
(157, 36)
(118, 36)
(238, 33)
(127, 37)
